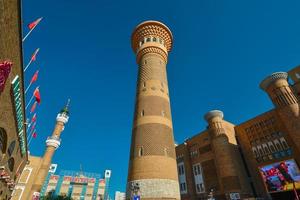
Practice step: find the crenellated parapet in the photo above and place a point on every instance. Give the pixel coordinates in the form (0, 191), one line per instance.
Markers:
(152, 37)
(273, 78)
(279, 90)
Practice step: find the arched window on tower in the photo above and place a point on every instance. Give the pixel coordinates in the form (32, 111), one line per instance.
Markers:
(3, 140)
(141, 151)
(11, 148)
(148, 39)
(166, 151)
(11, 163)
(154, 39)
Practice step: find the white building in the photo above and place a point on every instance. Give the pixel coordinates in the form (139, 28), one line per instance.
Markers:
(120, 195)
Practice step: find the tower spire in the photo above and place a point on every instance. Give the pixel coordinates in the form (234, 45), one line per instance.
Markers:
(52, 143)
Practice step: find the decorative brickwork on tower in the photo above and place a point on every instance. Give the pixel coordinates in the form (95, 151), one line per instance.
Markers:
(152, 165)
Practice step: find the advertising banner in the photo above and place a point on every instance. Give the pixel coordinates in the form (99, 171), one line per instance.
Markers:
(281, 176)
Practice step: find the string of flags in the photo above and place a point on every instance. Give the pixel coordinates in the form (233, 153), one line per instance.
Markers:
(35, 98)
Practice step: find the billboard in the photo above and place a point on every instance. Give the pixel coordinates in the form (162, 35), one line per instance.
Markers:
(281, 176)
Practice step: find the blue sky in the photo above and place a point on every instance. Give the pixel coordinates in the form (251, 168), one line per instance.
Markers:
(222, 50)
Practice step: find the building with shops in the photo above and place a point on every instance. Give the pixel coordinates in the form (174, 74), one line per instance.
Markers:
(78, 185)
(257, 158)
(13, 143)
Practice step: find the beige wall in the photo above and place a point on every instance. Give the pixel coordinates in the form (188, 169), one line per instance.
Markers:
(10, 49)
(27, 178)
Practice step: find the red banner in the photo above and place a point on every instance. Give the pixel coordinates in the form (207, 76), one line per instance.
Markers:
(5, 68)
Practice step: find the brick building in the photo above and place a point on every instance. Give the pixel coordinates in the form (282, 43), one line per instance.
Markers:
(257, 158)
(13, 143)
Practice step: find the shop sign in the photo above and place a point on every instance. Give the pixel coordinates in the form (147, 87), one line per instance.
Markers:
(16, 89)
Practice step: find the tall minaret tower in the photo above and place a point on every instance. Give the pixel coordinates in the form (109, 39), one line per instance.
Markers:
(52, 143)
(152, 166)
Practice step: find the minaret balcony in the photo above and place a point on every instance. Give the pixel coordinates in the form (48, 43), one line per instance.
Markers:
(53, 142)
(62, 117)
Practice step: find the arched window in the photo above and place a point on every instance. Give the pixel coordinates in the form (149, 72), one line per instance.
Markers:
(11, 148)
(166, 151)
(11, 164)
(141, 151)
(3, 140)
(154, 39)
(148, 39)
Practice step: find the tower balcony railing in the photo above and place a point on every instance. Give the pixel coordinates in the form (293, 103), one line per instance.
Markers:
(53, 141)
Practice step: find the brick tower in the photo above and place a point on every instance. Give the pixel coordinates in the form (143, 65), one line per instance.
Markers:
(152, 165)
(286, 104)
(52, 143)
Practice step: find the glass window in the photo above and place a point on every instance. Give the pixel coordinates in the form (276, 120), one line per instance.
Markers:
(148, 39)
(3, 140)
(154, 39)
(11, 164)
(11, 148)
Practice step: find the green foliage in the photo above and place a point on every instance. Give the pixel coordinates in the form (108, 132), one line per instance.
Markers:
(52, 196)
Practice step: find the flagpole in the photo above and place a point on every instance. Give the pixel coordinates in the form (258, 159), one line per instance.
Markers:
(31, 136)
(30, 31)
(28, 65)
(28, 87)
(29, 102)
(31, 60)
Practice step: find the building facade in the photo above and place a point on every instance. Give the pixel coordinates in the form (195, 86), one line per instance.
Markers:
(13, 142)
(257, 158)
(77, 185)
(152, 163)
(120, 195)
(28, 177)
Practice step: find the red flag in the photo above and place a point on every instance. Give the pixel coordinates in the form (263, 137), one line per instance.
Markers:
(37, 95)
(34, 77)
(34, 135)
(35, 23)
(33, 118)
(33, 57)
(33, 107)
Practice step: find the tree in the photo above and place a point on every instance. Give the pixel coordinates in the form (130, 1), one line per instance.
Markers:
(52, 196)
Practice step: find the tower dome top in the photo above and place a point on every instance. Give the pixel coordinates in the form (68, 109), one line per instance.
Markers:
(272, 78)
(151, 28)
(213, 113)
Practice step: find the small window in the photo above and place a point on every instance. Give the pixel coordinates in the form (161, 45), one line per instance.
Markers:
(141, 153)
(142, 113)
(163, 113)
(154, 39)
(11, 164)
(166, 151)
(142, 42)
(160, 41)
(148, 39)
(144, 84)
(11, 148)
(3, 140)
